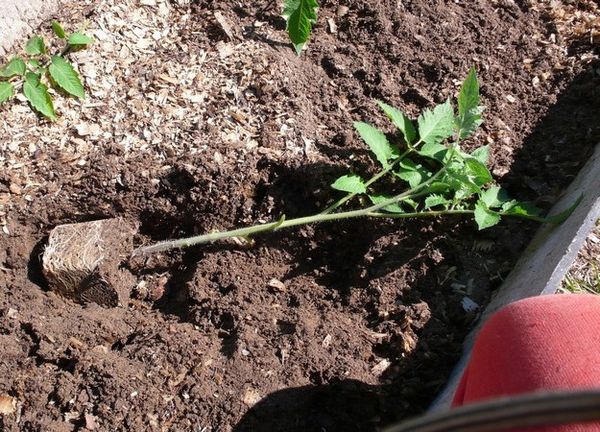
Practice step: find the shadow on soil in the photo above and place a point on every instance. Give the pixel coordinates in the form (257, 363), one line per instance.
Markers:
(548, 161)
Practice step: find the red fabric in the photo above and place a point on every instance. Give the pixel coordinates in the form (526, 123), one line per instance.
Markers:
(541, 343)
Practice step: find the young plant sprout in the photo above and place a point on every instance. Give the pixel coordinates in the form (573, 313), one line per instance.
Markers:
(300, 16)
(33, 72)
(441, 179)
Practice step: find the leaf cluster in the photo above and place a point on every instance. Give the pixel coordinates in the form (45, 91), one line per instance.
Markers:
(38, 69)
(436, 176)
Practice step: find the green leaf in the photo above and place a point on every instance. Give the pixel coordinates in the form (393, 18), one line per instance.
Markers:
(399, 120)
(482, 154)
(35, 46)
(34, 64)
(350, 183)
(392, 208)
(469, 111)
(38, 97)
(300, 16)
(468, 98)
(58, 29)
(411, 203)
(437, 125)
(495, 197)
(564, 215)
(459, 180)
(484, 217)
(478, 172)
(435, 200)
(66, 77)
(33, 78)
(517, 208)
(6, 91)
(437, 187)
(377, 142)
(14, 67)
(412, 173)
(434, 151)
(79, 39)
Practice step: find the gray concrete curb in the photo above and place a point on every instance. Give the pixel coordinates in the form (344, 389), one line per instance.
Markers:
(19, 18)
(544, 263)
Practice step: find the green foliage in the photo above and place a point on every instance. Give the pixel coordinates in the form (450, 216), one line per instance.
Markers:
(58, 30)
(377, 142)
(300, 16)
(40, 69)
(469, 110)
(79, 39)
(436, 125)
(35, 46)
(485, 217)
(427, 175)
(350, 183)
(65, 76)
(400, 120)
(39, 98)
(441, 178)
(7, 91)
(14, 67)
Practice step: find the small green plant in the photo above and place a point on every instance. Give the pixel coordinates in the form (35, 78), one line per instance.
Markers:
(300, 16)
(32, 73)
(429, 175)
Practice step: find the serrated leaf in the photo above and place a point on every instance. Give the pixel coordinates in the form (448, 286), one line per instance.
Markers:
(467, 124)
(79, 39)
(58, 29)
(350, 183)
(412, 173)
(399, 120)
(6, 91)
(300, 16)
(469, 111)
(462, 184)
(392, 208)
(35, 46)
(482, 154)
(478, 172)
(38, 97)
(468, 98)
(437, 125)
(434, 151)
(484, 217)
(377, 142)
(16, 66)
(435, 200)
(66, 77)
(495, 197)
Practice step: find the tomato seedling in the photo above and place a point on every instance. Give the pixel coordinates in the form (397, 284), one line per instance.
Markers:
(439, 178)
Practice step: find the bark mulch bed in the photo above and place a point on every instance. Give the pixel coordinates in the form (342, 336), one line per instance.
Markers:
(200, 116)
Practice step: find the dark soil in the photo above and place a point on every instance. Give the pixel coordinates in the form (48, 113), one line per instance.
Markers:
(336, 327)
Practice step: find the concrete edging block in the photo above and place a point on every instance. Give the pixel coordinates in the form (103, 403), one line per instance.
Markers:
(19, 18)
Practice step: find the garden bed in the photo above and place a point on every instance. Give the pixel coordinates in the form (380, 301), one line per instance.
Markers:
(199, 117)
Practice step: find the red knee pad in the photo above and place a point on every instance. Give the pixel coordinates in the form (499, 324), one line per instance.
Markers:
(541, 343)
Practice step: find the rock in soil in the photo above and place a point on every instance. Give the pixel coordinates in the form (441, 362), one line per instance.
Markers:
(82, 261)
